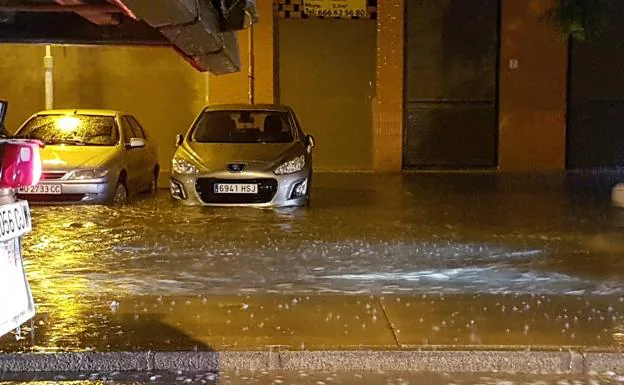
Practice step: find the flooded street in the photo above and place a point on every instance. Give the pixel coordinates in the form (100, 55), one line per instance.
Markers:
(364, 233)
(425, 260)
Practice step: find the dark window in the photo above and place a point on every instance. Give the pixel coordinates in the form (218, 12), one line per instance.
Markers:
(83, 130)
(127, 129)
(136, 127)
(243, 126)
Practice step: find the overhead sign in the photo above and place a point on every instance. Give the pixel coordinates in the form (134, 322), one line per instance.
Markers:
(335, 8)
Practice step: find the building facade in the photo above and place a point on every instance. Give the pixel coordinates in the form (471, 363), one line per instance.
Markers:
(410, 85)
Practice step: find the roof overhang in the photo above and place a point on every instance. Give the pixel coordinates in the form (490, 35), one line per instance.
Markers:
(202, 31)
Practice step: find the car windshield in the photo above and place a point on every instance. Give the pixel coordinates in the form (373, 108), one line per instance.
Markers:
(90, 130)
(243, 126)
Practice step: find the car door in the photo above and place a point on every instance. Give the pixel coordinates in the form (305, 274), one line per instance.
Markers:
(133, 157)
(148, 160)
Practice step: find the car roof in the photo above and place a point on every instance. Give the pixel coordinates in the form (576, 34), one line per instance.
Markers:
(249, 107)
(96, 112)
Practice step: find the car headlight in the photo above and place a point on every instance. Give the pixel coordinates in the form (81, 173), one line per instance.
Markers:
(291, 166)
(88, 174)
(181, 166)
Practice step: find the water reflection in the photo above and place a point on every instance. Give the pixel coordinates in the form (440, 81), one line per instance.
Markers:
(495, 233)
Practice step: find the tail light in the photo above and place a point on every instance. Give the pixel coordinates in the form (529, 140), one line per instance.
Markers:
(21, 163)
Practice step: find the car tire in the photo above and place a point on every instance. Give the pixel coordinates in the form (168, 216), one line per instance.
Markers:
(309, 192)
(153, 187)
(120, 195)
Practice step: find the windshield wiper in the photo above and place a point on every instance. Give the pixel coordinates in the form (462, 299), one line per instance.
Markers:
(66, 141)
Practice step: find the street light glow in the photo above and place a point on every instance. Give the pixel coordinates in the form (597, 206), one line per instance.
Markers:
(68, 123)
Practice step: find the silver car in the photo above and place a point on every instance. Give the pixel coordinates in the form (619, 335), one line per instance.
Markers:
(90, 156)
(243, 155)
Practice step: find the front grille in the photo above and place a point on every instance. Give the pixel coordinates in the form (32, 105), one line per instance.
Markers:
(52, 175)
(44, 198)
(266, 191)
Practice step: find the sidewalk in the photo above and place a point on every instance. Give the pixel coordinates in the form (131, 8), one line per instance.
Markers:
(363, 377)
(324, 331)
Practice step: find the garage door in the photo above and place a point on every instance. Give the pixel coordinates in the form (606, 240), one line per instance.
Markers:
(327, 73)
(451, 83)
(595, 135)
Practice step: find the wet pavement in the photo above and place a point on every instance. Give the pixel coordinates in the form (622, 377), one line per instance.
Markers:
(465, 259)
(309, 378)
(324, 322)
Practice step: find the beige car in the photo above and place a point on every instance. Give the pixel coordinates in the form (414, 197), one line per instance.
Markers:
(90, 156)
(244, 155)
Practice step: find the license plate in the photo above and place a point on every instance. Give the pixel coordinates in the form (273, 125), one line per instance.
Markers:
(47, 189)
(235, 188)
(15, 220)
(16, 301)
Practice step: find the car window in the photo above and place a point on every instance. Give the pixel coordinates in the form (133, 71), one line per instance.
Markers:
(136, 127)
(127, 129)
(92, 130)
(298, 124)
(243, 126)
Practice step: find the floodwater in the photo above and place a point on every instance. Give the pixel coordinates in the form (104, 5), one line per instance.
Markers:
(473, 258)
(420, 233)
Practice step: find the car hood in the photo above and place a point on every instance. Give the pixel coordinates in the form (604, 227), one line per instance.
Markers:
(258, 156)
(70, 157)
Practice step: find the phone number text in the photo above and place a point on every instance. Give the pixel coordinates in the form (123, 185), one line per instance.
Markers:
(335, 12)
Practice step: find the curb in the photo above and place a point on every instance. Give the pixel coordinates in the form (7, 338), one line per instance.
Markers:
(522, 362)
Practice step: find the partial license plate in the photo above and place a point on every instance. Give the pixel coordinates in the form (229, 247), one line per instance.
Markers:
(16, 301)
(15, 220)
(235, 188)
(47, 189)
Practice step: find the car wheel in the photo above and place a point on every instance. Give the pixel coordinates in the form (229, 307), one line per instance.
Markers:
(309, 192)
(154, 184)
(120, 196)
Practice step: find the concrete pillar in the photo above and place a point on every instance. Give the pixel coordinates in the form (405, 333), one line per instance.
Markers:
(532, 99)
(388, 108)
(233, 88)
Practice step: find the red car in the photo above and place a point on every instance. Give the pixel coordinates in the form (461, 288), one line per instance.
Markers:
(20, 165)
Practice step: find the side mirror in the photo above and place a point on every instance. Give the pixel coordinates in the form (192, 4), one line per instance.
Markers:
(136, 143)
(310, 142)
(179, 140)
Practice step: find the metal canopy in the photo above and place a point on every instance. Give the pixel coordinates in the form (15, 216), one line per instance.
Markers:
(202, 31)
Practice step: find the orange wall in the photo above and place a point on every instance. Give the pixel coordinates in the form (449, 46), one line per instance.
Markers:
(532, 96)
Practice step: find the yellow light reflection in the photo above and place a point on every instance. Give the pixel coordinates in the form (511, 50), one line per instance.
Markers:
(62, 297)
(54, 162)
(68, 123)
(618, 334)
